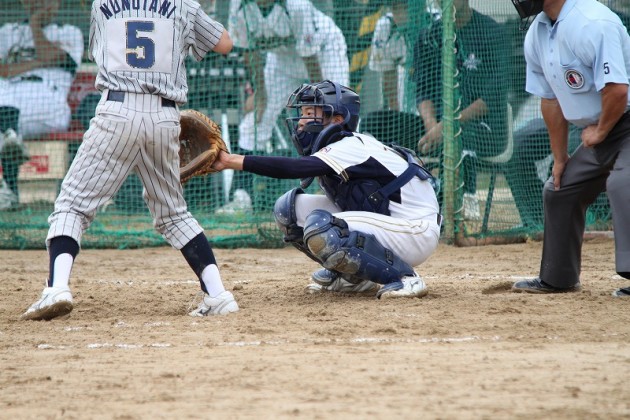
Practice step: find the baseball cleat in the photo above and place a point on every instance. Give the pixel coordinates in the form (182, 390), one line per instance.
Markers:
(324, 276)
(538, 286)
(341, 285)
(55, 302)
(623, 292)
(408, 286)
(222, 304)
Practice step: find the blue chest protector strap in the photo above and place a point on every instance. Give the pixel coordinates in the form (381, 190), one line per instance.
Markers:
(414, 169)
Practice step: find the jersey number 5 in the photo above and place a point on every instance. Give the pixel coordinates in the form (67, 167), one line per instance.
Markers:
(140, 50)
(145, 45)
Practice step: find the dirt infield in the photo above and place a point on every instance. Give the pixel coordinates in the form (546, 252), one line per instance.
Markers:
(470, 349)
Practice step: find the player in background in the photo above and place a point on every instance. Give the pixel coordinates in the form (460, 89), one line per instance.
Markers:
(481, 51)
(139, 50)
(378, 216)
(392, 45)
(285, 43)
(391, 57)
(578, 62)
(38, 62)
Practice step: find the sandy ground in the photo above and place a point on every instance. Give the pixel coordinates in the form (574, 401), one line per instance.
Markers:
(470, 349)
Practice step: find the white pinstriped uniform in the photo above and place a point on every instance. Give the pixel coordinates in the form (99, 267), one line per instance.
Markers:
(292, 31)
(139, 47)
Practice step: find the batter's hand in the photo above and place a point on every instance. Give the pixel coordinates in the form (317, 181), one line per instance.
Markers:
(558, 169)
(591, 136)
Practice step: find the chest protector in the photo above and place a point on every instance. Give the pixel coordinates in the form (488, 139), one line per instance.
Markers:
(368, 194)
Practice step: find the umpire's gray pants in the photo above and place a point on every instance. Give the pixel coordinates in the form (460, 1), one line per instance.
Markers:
(588, 172)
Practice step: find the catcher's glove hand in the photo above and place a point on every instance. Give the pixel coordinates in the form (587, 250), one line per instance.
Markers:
(199, 144)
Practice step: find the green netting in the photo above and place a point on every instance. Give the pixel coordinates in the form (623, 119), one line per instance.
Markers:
(398, 55)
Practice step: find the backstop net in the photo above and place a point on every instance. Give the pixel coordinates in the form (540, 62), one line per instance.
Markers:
(445, 79)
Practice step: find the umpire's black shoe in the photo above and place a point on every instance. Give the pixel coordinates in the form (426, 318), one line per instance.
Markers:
(538, 286)
(623, 292)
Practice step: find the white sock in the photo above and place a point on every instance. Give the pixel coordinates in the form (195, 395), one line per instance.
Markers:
(61, 270)
(212, 280)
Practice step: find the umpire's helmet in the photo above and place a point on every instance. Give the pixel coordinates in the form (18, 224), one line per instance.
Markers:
(334, 99)
(528, 8)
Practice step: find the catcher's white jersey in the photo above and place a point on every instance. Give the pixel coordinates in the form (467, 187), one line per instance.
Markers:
(139, 47)
(362, 154)
(412, 231)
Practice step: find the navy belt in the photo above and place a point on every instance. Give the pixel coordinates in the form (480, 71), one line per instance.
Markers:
(118, 96)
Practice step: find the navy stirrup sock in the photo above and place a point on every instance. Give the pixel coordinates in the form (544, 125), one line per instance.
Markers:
(60, 245)
(199, 255)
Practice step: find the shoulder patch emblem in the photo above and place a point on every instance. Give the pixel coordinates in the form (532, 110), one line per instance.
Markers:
(574, 79)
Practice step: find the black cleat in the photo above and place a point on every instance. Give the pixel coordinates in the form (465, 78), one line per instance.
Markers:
(623, 292)
(538, 286)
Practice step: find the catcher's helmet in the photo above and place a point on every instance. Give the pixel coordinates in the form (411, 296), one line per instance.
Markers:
(334, 99)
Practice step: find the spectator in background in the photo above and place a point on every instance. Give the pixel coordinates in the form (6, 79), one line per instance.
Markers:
(357, 20)
(391, 45)
(285, 43)
(481, 58)
(391, 49)
(38, 61)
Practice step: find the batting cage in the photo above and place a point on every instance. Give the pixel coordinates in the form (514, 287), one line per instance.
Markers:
(443, 78)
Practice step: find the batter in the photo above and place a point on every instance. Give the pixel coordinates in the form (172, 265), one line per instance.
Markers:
(139, 48)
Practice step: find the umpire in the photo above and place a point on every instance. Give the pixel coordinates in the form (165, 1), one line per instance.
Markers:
(578, 62)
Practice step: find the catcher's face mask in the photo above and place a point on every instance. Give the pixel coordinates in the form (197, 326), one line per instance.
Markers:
(308, 118)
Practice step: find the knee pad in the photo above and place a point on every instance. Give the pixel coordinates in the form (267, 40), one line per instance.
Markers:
(286, 219)
(352, 253)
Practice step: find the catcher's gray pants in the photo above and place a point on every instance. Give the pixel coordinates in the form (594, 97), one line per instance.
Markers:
(588, 172)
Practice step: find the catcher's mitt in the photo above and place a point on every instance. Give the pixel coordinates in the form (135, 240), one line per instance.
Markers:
(199, 144)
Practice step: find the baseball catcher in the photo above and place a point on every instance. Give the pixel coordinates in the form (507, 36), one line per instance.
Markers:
(200, 142)
(378, 216)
